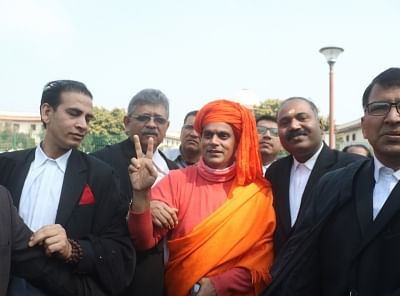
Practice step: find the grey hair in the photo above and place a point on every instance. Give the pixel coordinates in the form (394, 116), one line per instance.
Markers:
(148, 96)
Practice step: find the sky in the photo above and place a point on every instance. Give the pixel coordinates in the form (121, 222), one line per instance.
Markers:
(196, 51)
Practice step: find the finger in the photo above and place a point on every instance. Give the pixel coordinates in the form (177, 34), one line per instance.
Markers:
(150, 146)
(173, 214)
(60, 248)
(169, 220)
(138, 147)
(157, 222)
(150, 168)
(134, 166)
(39, 236)
(165, 221)
(46, 232)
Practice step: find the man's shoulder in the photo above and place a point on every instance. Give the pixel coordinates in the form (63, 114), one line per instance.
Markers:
(278, 165)
(110, 149)
(345, 158)
(345, 172)
(94, 164)
(281, 162)
(19, 154)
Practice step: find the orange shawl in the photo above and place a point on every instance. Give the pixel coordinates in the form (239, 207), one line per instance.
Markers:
(238, 234)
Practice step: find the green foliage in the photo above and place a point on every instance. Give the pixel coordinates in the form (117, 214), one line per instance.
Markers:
(106, 128)
(107, 122)
(15, 141)
(267, 107)
(325, 123)
(271, 106)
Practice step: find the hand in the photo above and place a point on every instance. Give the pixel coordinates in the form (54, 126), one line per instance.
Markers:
(141, 170)
(163, 215)
(207, 288)
(54, 239)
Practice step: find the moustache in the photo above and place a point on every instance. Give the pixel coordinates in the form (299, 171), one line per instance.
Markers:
(299, 132)
(148, 131)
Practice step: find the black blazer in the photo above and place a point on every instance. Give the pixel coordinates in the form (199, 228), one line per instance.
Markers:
(337, 247)
(50, 274)
(279, 176)
(14, 235)
(100, 227)
(149, 276)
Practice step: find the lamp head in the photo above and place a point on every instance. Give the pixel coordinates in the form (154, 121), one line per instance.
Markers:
(331, 53)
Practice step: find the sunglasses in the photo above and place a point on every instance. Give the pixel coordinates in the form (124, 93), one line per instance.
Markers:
(273, 131)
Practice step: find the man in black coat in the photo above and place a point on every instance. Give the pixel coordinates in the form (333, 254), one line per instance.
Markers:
(70, 199)
(348, 242)
(147, 117)
(293, 177)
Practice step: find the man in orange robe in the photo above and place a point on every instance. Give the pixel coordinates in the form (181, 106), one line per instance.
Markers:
(223, 238)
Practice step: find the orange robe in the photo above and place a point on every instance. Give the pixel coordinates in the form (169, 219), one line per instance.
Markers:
(221, 226)
(238, 234)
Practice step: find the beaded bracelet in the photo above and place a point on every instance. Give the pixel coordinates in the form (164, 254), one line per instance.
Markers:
(76, 252)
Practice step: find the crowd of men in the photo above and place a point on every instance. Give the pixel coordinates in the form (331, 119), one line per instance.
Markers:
(224, 214)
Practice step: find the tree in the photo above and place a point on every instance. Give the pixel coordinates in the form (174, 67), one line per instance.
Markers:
(267, 107)
(106, 128)
(15, 141)
(271, 106)
(325, 123)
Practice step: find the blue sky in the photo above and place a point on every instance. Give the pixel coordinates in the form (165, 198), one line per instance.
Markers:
(196, 51)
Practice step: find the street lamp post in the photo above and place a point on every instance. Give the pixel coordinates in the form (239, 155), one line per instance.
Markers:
(331, 54)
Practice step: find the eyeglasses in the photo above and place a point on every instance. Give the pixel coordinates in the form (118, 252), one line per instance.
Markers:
(381, 108)
(273, 131)
(145, 118)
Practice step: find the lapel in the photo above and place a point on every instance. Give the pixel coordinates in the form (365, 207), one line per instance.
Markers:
(390, 208)
(19, 175)
(364, 187)
(128, 149)
(325, 160)
(75, 179)
(282, 181)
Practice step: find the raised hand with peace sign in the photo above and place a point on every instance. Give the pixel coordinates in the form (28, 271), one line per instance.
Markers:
(142, 174)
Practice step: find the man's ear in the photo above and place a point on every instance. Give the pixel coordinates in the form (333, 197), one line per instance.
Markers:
(126, 122)
(321, 126)
(362, 127)
(45, 113)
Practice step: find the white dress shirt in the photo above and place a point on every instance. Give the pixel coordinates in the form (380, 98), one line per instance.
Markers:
(299, 175)
(266, 166)
(385, 180)
(162, 169)
(160, 165)
(42, 189)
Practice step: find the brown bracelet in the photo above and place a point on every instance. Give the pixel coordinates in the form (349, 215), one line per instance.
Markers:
(76, 252)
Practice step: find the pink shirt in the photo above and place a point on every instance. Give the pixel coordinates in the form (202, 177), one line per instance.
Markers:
(197, 191)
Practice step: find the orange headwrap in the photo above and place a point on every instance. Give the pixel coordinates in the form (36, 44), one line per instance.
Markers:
(248, 163)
